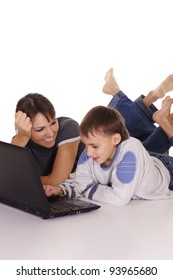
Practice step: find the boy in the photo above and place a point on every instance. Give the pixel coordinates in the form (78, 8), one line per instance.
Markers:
(115, 167)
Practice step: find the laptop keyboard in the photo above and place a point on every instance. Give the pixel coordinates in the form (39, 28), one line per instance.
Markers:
(60, 204)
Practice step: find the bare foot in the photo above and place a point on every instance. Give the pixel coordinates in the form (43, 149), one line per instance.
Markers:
(160, 91)
(164, 118)
(111, 86)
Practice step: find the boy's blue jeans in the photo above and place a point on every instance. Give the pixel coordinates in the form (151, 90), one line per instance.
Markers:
(168, 163)
(139, 122)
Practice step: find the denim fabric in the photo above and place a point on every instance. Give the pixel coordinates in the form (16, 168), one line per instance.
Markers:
(138, 120)
(168, 163)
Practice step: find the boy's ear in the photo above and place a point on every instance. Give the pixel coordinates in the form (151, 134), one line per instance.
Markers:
(116, 138)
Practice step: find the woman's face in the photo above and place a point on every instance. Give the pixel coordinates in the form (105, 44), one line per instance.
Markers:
(44, 131)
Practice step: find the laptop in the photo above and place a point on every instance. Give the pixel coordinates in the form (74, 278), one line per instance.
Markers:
(21, 187)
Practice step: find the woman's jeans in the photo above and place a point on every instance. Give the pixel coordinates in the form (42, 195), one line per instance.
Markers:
(138, 120)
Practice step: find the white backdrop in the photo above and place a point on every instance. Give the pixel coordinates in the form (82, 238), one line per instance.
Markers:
(62, 49)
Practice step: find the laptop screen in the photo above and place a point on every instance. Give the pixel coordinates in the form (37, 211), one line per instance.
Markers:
(20, 184)
(21, 187)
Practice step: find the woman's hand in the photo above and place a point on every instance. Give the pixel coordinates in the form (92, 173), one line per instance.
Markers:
(52, 190)
(23, 124)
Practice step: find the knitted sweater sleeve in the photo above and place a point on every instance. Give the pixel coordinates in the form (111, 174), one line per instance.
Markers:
(117, 187)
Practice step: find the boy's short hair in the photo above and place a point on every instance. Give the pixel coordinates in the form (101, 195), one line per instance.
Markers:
(104, 120)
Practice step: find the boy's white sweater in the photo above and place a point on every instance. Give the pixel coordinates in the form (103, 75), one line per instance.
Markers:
(132, 174)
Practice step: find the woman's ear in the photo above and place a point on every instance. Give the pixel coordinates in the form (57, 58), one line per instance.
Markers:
(116, 138)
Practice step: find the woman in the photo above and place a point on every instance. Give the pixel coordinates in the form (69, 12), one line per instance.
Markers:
(54, 142)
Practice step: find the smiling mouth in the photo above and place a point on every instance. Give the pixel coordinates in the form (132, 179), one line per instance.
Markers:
(49, 140)
(95, 158)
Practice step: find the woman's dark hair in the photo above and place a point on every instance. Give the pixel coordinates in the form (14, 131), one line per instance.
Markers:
(34, 103)
(106, 120)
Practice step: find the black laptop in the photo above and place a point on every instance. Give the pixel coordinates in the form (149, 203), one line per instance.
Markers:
(21, 187)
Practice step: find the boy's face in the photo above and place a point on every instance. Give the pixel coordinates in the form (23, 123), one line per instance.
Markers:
(101, 147)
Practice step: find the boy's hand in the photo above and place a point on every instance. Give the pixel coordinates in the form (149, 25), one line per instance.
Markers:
(52, 190)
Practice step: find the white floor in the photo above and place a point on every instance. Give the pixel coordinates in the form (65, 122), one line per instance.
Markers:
(140, 230)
